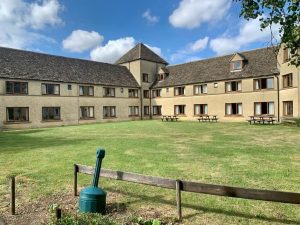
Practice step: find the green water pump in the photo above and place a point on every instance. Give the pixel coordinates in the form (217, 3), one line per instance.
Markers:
(93, 199)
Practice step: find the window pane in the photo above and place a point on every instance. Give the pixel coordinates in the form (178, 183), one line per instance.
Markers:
(228, 87)
(9, 87)
(257, 84)
(205, 109)
(197, 109)
(228, 109)
(270, 83)
(240, 109)
(56, 89)
(205, 88)
(257, 108)
(17, 87)
(80, 90)
(239, 85)
(91, 91)
(44, 89)
(91, 112)
(271, 108)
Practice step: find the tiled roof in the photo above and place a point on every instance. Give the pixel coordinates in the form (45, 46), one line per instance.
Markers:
(140, 51)
(259, 62)
(19, 64)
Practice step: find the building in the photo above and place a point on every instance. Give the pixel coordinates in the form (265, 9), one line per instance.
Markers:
(38, 90)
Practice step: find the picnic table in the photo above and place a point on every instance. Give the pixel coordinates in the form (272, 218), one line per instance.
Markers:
(262, 119)
(207, 118)
(169, 118)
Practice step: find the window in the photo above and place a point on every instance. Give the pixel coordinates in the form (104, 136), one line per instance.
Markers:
(200, 89)
(146, 94)
(200, 109)
(146, 110)
(215, 85)
(133, 110)
(263, 108)
(160, 77)
(287, 80)
(264, 83)
(286, 55)
(179, 109)
(69, 87)
(13, 87)
(145, 77)
(233, 86)
(122, 90)
(167, 90)
(50, 89)
(157, 110)
(86, 90)
(156, 93)
(51, 113)
(288, 108)
(233, 109)
(86, 112)
(133, 93)
(237, 65)
(179, 91)
(17, 114)
(109, 92)
(109, 111)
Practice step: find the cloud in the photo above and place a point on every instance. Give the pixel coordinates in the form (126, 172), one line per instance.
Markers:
(156, 50)
(249, 32)
(20, 20)
(199, 45)
(192, 13)
(150, 18)
(81, 40)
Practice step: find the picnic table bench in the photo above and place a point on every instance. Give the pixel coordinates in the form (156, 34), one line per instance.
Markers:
(263, 119)
(207, 118)
(169, 118)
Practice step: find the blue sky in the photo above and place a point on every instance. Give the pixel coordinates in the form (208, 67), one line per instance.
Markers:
(102, 30)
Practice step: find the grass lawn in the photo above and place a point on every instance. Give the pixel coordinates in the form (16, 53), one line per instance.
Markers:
(237, 154)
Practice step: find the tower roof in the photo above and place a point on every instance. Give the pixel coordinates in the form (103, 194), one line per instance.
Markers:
(140, 51)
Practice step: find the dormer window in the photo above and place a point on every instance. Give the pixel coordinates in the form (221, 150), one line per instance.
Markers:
(237, 62)
(237, 65)
(160, 77)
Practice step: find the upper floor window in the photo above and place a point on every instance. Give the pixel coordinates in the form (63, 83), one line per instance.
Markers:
(51, 113)
(200, 89)
(109, 92)
(236, 65)
(109, 111)
(86, 112)
(14, 87)
(264, 83)
(69, 87)
(215, 85)
(160, 77)
(145, 77)
(156, 93)
(86, 90)
(50, 89)
(287, 80)
(133, 110)
(157, 110)
(179, 91)
(286, 55)
(263, 108)
(133, 93)
(200, 109)
(17, 114)
(233, 86)
(179, 109)
(233, 109)
(146, 94)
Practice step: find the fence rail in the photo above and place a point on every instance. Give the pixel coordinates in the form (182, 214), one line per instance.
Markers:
(188, 186)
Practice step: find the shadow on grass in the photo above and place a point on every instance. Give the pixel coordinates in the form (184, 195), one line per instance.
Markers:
(159, 199)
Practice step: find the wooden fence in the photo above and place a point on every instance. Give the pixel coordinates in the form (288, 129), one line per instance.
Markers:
(188, 186)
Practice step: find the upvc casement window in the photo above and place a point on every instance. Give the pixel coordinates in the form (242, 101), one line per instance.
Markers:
(156, 93)
(86, 90)
(179, 91)
(133, 110)
(133, 93)
(200, 109)
(288, 108)
(200, 89)
(157, 110)
(146, 110)
(145, 77)
(287, 80)
(233, 109)
(263, 108)
(109, 111)
(86, 112)
(179, 109)
(17, 114)
(233, 86)
(264, 83)
(14, 87)
(50, 89)
(51, 113)
(108, 92)
(146, 94)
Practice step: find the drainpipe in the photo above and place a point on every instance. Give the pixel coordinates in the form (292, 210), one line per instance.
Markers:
(278, 99)
(150, 101)
(141, 103)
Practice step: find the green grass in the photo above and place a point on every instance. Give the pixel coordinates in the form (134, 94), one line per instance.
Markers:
(237, 154)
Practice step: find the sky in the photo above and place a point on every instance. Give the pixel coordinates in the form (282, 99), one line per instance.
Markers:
(103, 30)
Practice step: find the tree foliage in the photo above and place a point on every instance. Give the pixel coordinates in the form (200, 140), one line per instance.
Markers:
(285, 13)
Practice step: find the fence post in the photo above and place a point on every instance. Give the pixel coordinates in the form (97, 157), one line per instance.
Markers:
(12, 195)
(178, 198)
(75, 179)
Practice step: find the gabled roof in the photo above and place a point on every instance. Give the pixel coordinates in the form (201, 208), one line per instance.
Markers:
(259, 62)
(19, 64)
(140, 51)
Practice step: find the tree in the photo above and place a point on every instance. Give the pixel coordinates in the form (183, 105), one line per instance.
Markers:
(285, 13)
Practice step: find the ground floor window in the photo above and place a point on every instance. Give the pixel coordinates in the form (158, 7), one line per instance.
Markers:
(288, 108)
(17, 114)
(157, 110)
(133, 110)
(86, 112)
(264, 108)
(109, 111)
(233, 109)
(179, 109)
(200, 109)
(51, 113)
(146, 110)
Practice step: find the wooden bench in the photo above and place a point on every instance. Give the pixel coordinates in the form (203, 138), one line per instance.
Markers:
(261, 120)
(169, 118)
(207, 118)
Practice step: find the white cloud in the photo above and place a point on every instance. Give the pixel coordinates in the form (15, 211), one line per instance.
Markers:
(81, 40)
(150, 18)
(249, 32)
(192, 13)
(155, 49)
(199, 45)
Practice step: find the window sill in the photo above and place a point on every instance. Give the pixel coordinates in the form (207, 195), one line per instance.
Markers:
(234, 115)
(106, 96)
(267, 89)
(17, 122)
(8, 94)
(133, 97)
(50, 121)
(180, 115)
(111, 117)
(157, 115)
(200, 94)
(87, 118)
(286, 88)
(86, 95)
(179, 95)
